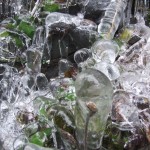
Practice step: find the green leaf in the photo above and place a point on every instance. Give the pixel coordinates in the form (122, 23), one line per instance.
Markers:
(4, 34)
(51, 7)
(38, 138)
(47, 131)
(42, 103)
(11, 26)
(27, 28)
(119, 42)
(70, 96)
(41, 138)
(18, 41)
(125, 35)
(14, 36)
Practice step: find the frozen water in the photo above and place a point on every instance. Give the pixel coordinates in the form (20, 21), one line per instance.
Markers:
(34, 56)
(110, 22)
(57, 18)
(61, 87)
(39, 36)
(41, 82)
(123, 110)
(20, 142)
(110, 70)
(64, 66)
(82, 55)
(94, 98)
(16, 95)
(93, 86)
(105, 51)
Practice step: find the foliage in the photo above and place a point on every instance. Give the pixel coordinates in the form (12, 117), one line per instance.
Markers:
(114, 138)
(15, 36)
(50, 5)
(40, 138)
(68, 95)
(27, 28)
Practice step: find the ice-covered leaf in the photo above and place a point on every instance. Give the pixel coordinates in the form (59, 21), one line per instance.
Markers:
(40, 138)
(51, 7)
(27, 28)
(63, 118)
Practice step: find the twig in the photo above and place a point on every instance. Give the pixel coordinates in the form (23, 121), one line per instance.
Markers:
(37, 4)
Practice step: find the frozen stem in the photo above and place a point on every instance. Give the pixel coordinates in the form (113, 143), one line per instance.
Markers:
(37, 4)
(92, 110)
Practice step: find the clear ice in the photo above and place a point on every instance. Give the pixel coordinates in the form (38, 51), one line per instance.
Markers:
(105, 68)
(93, 87)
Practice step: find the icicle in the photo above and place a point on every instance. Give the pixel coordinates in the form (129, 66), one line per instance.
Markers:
(110, 22)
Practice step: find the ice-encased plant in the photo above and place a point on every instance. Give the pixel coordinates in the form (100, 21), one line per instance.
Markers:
(94, 98)
(111, 20)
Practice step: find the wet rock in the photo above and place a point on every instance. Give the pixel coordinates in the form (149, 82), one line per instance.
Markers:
(138, 142)
(2, 69)
(93, 9)
(51, 70)
(70, 7)
(133, 40)
(64, 35)
(1, 146)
